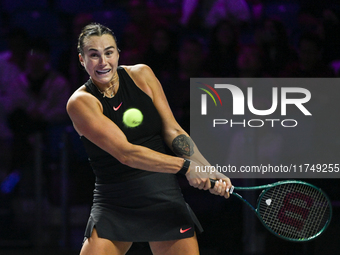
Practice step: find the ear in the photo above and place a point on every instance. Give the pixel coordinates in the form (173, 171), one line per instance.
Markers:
(81, 59)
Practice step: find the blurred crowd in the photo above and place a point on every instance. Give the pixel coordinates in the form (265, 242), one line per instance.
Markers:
(39, 66)
(178, 39)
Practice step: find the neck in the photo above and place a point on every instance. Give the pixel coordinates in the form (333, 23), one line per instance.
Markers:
(110, 90)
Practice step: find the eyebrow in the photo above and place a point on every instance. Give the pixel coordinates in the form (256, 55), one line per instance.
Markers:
(107, 48)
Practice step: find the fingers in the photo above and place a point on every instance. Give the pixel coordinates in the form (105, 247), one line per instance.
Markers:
(219, 188)
(228, 187)
(222, 187)
(200, 183)
(200, 180)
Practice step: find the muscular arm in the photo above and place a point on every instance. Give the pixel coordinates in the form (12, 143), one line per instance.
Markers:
(88, 119)
(87, 115)
(175, 137)
(182, 146)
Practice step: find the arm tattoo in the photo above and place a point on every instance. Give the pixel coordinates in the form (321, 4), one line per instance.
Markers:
(182, 145)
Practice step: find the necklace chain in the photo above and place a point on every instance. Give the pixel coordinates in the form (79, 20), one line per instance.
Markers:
(112, 86)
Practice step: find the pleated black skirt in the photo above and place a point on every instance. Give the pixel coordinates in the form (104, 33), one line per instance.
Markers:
(150, 208)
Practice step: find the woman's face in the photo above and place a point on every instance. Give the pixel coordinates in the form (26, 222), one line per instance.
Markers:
(100, 58)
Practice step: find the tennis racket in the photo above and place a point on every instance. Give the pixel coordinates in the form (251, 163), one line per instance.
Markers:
(292, 210)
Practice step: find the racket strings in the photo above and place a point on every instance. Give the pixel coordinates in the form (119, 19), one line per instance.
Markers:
(319, 215)
(322, 214)
(294, 211)
(269, 197)
(310, 224)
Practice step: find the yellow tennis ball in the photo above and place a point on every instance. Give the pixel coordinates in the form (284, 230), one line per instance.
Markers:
(132, 117)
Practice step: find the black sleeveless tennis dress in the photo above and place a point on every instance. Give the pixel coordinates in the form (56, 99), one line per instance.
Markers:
(130, 204)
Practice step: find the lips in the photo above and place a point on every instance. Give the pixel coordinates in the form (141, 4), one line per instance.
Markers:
(101, 72)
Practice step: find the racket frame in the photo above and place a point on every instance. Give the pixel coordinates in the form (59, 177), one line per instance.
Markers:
(264, 189)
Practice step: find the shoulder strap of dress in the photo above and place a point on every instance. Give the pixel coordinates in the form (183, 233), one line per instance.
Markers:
(126, 78)
(90, 87)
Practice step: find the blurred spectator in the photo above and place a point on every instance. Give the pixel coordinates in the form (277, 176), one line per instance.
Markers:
(131, 46)
(192, 15)
(199, 14)
(250, 62)
(133, 38)
(223, 50)
(307, 22)
(12, 62)
(161, 54)
(191, 56)
(140, 28)
(273, 41)
(310, 62)
(235, 10)
(37, 101)
(331, 28)
(257, 11)
(130, 56)
(69, 65)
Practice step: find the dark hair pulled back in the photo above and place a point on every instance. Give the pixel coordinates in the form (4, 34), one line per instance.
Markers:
(93, 29)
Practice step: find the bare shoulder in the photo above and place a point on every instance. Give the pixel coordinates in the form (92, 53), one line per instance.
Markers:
(139, 69)
(77, 96)
(80, 99)
(144, 78)
(136, 68)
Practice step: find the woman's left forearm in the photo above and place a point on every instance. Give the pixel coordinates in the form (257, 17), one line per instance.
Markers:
(183, 146)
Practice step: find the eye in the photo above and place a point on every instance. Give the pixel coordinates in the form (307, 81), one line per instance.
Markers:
(94, 55)
(109, 53)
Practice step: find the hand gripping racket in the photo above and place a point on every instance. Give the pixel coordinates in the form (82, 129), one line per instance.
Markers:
(292, 210)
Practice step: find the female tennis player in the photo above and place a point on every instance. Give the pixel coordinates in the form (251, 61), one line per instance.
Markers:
(136, 197)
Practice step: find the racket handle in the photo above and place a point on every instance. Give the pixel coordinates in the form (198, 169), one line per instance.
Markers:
(213, 182)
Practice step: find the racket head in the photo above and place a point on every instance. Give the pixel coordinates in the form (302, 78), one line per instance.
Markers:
(294, 210)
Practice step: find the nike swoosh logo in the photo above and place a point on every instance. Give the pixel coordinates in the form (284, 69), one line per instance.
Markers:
(116, 108)
(184, 230)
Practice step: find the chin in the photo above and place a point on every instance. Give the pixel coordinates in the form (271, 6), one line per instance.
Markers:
(103, 80)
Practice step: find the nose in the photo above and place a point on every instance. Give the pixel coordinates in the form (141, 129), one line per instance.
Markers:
(102, 61)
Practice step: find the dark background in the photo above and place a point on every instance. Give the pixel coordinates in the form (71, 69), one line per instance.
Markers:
(45, 202)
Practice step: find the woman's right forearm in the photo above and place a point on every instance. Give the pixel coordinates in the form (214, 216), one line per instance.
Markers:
(144, 158)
